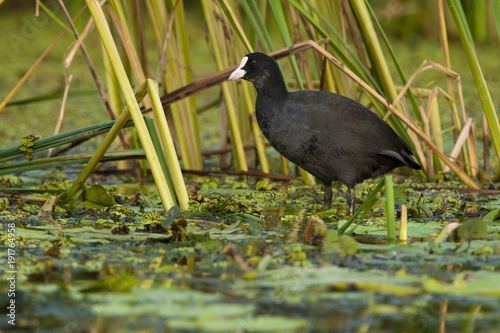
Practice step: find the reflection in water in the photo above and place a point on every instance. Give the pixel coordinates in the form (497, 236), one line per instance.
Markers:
(286, 217)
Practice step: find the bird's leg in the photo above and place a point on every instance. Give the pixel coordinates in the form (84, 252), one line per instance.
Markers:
(328, 196)
(351, 199)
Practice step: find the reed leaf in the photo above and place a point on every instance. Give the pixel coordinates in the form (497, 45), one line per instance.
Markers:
(131, 102)
(186, 77)
(65, 138)
(103, 148)
(279, 16)
(233, 20)
(69, 160)
(236, 140)
(467, 42)
(390, 215)
(49, 97)
(365, 207)
(155, 138)
(257, 22)
(172, 167)
(347, 59)
(495, 6)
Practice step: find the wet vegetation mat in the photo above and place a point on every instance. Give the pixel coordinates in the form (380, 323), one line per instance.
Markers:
(250, 255)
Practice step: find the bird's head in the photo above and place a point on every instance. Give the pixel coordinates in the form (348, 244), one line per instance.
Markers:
(257, 68)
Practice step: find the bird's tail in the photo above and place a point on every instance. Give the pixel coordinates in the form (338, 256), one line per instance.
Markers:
(405, 159)
(411, 163)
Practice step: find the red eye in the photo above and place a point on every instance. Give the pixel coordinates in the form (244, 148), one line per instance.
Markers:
(253, 62)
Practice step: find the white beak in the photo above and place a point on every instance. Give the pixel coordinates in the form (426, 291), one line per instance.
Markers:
(239, 72)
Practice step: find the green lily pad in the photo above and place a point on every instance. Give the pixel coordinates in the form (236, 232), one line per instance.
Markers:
(472, 228)
(97, 194)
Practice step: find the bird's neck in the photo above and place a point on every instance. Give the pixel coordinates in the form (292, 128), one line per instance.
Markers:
(271, 87)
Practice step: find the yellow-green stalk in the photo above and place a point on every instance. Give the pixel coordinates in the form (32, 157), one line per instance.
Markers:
(108, 140)
(484, 94)
(403, 228)
(131, 102)
(390, 218)
(236, 140)
(168, 144)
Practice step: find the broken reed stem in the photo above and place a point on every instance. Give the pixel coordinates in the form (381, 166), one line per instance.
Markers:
(63, 107)
(486, 145)
(221, 76)
(403, 229)
(443, 37)
(92, 70)
(464, 133)
(443, 310)
(88, 61)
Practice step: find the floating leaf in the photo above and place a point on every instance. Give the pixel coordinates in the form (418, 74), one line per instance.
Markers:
(254, 324)
(330, 238)
(467, 283)
(472, 228)
(172, 214)
(118, 283)
(348, 245)
(385, 288)
(98, 195)
(263, 185)
(493, 215)
(485, 250)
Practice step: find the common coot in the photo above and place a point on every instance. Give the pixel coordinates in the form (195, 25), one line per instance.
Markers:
(329, 135)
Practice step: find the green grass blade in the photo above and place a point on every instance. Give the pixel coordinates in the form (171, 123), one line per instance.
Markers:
(236, 25)
(52, 15)
(365, 206)
(357, 66)
(186, 76)
(150, 123)
(128, 93)
(170, 156)
(390, 218)
(484, 94)
(402, 76)
(49, 97)
(495, 5)
(236, 138)
(61, 139)
(257, 24)
(69, 160)
(279, 16)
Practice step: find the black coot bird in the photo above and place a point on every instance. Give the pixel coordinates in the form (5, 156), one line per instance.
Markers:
(329, 135)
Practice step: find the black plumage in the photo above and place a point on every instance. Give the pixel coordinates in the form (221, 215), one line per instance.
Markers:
(329, 135)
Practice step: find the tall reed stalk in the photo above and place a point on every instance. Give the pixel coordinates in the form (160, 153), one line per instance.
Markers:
(355, 62)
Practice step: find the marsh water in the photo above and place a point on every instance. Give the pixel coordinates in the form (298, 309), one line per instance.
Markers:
(241, 264)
